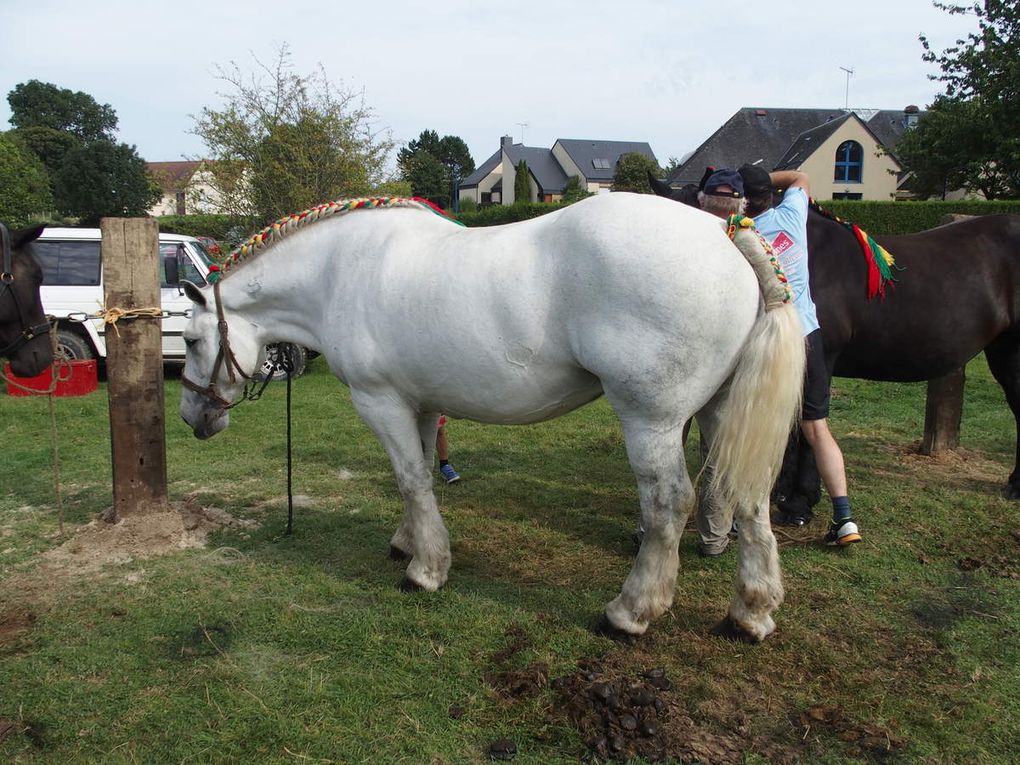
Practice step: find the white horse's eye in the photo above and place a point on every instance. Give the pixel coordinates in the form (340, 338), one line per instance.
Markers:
(188, 342)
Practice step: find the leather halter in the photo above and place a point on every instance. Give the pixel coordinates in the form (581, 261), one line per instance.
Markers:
(225, 355)
(28, 331)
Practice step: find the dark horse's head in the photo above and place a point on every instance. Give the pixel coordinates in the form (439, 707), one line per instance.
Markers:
(24, 331)
(688, 194)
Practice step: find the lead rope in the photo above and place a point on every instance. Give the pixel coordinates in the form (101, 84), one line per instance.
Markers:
(289, 366)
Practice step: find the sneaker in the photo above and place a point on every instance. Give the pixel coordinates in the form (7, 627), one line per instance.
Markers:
(448, 473)
(842, 533)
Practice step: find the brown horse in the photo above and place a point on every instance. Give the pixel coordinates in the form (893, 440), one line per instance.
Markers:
(24, 331)
(958, 294)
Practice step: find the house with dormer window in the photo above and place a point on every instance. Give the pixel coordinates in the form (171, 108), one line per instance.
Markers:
(847, 154)
(594, 162)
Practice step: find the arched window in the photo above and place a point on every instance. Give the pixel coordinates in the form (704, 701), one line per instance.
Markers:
(849, 162)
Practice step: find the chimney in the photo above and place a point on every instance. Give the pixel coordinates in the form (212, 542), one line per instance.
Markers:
(507, 140)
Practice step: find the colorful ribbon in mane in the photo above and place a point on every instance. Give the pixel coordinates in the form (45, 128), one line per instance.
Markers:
(880, 262)
(288, 224)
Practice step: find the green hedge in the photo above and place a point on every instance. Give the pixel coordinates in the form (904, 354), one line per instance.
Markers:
(496, 215)
(910, 217)
(873, 217)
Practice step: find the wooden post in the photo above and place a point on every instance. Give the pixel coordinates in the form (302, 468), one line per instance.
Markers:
(134, 367)
(942, 413)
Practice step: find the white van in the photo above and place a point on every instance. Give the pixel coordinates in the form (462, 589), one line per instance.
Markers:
(73, 287)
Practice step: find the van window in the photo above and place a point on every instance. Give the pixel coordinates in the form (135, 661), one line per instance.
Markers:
(186, 269)
(68, 263)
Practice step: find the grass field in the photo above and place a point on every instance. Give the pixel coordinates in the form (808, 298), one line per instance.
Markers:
(262, 647)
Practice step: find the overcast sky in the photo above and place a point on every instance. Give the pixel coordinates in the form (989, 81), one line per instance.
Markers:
(668, 72)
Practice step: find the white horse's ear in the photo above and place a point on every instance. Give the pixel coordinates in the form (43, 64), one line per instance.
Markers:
(194, 293)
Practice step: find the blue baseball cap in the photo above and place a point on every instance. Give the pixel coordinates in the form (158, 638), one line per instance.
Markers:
(728, 178)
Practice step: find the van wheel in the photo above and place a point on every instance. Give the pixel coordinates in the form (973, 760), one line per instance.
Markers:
(274, 363)
(72, 346)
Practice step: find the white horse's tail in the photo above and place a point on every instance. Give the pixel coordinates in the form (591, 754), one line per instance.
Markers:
(764, 400)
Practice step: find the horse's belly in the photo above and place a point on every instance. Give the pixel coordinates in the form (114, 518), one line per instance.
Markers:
(520, 402)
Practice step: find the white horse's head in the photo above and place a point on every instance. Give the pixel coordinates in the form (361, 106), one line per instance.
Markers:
(222, 354)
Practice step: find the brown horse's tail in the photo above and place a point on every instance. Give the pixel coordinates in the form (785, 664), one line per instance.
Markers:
(764, 399)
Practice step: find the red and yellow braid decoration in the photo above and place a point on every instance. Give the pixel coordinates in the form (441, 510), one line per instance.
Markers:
(880, 261)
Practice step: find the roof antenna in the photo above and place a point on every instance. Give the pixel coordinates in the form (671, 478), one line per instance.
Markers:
(849, 74)
(522, 125)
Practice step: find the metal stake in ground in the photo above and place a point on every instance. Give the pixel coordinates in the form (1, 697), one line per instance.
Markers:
(134, 367)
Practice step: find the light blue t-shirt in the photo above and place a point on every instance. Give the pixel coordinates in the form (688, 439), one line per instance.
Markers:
(785, 228)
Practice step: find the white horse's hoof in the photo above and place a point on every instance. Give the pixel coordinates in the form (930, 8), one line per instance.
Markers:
(604, 627)
(731, 629)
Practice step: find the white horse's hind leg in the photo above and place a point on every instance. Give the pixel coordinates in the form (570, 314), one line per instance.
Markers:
(422, 529)
(402, 542)
(759, 586)
(656, 456)
(759, 582)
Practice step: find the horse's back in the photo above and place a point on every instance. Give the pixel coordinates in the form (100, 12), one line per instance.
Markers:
(956, 290)
(525, 321)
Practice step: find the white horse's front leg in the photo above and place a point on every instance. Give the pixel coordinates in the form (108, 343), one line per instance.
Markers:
(656, 456)
(421, 533)
(402, 542)
(759, 580)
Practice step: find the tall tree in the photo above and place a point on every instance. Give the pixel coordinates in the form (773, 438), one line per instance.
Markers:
(24, 185)
(450, 151)
(73, 135)
(522, 183)
(429, 178)
(283, 141)
(632, 173)
(36, 104)
(982, 88)
(102, 178)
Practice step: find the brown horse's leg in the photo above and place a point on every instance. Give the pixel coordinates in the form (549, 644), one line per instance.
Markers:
(1004, 360)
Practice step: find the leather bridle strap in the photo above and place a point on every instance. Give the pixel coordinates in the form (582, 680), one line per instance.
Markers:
(225, 355)
(28, 331)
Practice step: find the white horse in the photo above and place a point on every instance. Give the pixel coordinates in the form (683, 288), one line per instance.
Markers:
(631, 296)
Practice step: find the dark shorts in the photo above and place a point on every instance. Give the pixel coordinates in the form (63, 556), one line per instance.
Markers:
(816, 379)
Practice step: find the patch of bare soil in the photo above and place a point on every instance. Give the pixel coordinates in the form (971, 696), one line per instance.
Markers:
(92, 547)
(14, 622)
(182, 526)
(959, 465)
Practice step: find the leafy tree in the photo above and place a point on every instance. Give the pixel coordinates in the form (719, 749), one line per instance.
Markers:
(632, 173)
(671, 165)
(102, 178)
(90, 175)
(428, 177)
(522, 183)
(36, 104)
(24, 185)
(575, 190)
(284, 142)
(450, 151)
(953, 147)
(982, 80)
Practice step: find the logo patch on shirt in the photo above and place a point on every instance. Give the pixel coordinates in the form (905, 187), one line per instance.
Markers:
(781, 243)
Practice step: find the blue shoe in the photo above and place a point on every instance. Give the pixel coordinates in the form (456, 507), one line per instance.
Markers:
(448, 473)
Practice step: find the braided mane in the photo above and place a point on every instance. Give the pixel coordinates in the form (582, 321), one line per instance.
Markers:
(288, 225)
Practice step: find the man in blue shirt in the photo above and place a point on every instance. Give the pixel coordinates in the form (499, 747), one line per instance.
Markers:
(784, 226)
